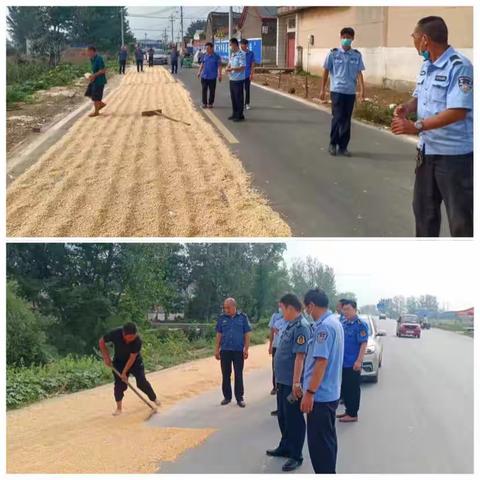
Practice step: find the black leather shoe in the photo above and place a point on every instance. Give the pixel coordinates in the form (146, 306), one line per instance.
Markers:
(276, 452)
(291, 464)
(274, 413)
(332, 149)
(241, 404)
(344, 153)
(231, 117)
(225, 402)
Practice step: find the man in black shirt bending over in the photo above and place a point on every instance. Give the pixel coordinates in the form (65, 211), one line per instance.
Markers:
(126, 360)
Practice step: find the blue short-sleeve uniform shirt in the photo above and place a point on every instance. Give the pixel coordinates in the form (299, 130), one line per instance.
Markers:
(343, 67)
(443, 84)
(210, 66)
(233, 330)
(327, 341)
(280, 324)
(249, 61)
(355, 333)
(293, 340)
(237, 59)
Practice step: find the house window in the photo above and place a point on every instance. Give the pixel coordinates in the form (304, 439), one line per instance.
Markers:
(264, 29)
(291, 23)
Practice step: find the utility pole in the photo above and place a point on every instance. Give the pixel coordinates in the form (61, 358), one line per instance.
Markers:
(121, 25)
(165, 38)
(230, 19)
(171, 21)
(181, 25)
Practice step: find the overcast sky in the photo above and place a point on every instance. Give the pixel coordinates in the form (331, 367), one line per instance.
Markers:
(155, 27)
(374, 269)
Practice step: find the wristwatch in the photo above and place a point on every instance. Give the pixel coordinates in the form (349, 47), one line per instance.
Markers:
(311, 392)
(419, 125)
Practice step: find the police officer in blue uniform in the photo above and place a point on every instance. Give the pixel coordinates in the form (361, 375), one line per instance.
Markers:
(277, 325)
(344, 65)
(288, 371)
(322, 382)
(236, 69)
(356, 338)
(232, 342)
(443, 102)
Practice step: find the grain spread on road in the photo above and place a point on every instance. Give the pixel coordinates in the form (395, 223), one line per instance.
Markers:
(123, 174)
(76, 433)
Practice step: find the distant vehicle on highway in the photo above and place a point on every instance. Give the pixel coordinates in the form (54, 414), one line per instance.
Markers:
(160, 57)
(408, 326)
(374, 353)
(382, 316)
(425, 325)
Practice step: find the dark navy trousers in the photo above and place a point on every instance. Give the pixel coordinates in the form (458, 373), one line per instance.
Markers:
(447, 178)
(291, 422)
(227, 359)
(322, 437)
(236, 95)
(138, 371)
(342, 109)
(351, 390)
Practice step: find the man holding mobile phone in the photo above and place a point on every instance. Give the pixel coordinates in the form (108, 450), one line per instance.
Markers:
(289, 359)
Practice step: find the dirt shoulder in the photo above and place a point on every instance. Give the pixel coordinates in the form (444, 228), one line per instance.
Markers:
(25, 120)
(375, 110)
(122, 174)
(76, 433)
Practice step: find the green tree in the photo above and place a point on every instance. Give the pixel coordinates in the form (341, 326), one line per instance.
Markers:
(22, 23)
(428, 302)
(194, 26)
(411, 304)
(26, 337)
(101, 26)
(311, 273)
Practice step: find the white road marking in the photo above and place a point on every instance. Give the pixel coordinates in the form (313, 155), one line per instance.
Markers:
(223, 129)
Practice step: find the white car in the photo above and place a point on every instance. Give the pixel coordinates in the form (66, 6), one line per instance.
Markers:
(372, 361)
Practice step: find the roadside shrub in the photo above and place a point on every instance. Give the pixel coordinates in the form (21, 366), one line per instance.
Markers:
(372, 112)
(70, 374)
(26, 338)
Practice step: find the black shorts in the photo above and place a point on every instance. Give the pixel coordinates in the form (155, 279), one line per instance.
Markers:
(97, 92)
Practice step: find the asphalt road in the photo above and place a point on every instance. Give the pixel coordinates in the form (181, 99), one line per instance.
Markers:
(283, 144)
(417, 419)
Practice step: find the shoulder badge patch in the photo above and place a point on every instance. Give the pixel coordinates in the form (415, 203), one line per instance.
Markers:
(334, 49)
(363, 333)
(321, 337)
(300, 340)
(465, 84)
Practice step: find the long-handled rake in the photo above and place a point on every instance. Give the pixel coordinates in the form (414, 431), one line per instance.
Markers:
(158, 112)
(137, 393)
